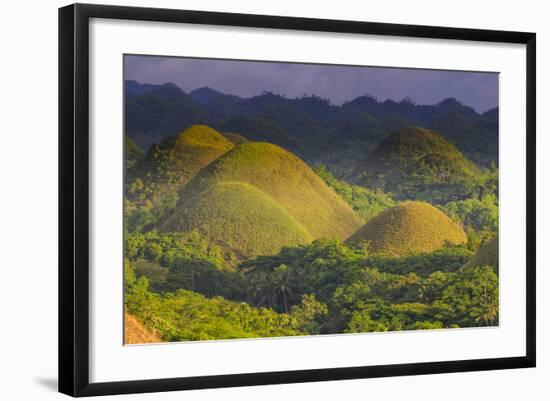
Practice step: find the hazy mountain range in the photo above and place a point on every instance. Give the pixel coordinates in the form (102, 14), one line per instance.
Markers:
(339, 136)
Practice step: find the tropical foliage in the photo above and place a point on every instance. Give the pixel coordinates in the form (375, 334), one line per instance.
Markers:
(367, 203)
(325, 287)
(309, 126)
(231, 233)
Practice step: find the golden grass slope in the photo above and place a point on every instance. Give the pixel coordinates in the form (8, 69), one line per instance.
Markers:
(407, 229)
(241, 217)
(486, 255)
(135, 333)
(177, 159)
(285, 179)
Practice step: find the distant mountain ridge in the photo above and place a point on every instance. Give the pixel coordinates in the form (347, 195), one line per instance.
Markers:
(311, 127)
(134, 88)
(212, 100)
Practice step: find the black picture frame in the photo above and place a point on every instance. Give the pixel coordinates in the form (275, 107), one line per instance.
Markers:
(74, 198)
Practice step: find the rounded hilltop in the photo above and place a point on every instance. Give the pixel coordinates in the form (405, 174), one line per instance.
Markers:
(487, 255)
(413, 158)
(407, 229)
(178, 158)
(240, 217)
(285, 179)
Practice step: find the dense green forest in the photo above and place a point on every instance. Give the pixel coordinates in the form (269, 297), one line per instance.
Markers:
(241, 230)
(187, 291)
(310, 127)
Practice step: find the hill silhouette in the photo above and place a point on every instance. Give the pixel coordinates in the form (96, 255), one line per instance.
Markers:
(486, 255)
(288, 181)
(133, 88)
(213, 101)
(156, 112)
(240, 217)
(309, 126)
(413, 160)
(407, 229)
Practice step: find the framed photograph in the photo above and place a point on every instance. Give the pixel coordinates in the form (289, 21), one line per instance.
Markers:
(250, 199)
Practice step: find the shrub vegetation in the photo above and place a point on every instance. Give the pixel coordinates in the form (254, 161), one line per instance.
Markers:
(417, 163)
(487, 255)
(226, 238)
(153, 184)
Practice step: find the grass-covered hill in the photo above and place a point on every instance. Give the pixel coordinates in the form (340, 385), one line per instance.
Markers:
(407, 229)
(153, 183)
(136, 333)
(285, 179)
(415, 160)
(240, 217)
(178, 158)
(487, 255)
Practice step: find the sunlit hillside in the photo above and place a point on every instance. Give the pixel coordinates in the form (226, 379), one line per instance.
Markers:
(407, 229)
(240, 217)
(287, 180)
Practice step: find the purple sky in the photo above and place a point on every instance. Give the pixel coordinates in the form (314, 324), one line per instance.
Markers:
(336, 83)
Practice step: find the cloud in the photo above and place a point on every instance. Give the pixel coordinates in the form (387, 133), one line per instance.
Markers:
(336, 83)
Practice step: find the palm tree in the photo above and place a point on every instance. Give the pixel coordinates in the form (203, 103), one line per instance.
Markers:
(265, 290)
(284, 290)
(281, 280)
